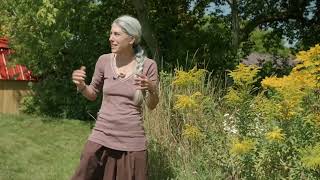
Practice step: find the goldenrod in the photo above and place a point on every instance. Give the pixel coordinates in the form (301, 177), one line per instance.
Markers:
(192, 77)
(192, 133)
(185, 102)
(241, 147)
(244, 75)
(275, 135)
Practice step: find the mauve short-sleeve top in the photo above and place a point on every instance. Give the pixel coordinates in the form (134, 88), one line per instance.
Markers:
(119, 122)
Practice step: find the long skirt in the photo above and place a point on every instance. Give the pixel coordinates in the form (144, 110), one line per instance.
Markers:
(101, 163)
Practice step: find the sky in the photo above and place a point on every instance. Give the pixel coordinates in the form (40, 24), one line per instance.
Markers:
(225, 9)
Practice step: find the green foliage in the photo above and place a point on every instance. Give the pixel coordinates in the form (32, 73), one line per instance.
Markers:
(294, 19)
(28, 105)
(181, 30)
(276, 59)
(55, 37)
(266, 41)
(262, 134)
(311, 157)
(277, 123)
(270, 134)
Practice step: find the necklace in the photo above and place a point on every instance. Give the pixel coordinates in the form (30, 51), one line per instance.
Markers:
(122, 72)
(122, 75)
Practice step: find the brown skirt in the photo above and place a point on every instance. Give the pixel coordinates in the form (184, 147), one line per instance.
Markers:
(101, 163)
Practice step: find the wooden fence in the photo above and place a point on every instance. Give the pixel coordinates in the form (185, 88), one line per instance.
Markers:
(11, 93)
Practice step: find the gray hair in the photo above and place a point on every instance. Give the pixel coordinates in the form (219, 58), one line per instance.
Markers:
(132, 27)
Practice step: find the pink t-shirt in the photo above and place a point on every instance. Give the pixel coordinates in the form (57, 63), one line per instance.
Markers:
(119, 122)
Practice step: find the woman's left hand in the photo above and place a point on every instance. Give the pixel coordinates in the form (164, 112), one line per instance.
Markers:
(144, 83)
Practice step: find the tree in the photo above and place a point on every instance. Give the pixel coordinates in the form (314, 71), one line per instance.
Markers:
(148, 33)
(296, 19)
(54, 37)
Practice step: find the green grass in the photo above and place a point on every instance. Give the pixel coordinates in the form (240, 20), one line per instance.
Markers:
(38, 148)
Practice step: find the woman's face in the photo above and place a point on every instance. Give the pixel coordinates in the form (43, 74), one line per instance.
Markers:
(119, 40)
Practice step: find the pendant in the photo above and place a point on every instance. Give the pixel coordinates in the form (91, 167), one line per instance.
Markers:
(121, 75)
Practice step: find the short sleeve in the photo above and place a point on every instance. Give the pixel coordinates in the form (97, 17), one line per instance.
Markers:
(97, 78)
(152, 72)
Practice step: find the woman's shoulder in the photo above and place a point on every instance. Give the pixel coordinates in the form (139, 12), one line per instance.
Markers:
(150, 66)
(104, 58)
(149, 62)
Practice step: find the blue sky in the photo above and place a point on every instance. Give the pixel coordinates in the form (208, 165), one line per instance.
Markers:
(225, 9)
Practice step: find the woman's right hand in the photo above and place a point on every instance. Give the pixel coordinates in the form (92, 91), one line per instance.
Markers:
(78, 77)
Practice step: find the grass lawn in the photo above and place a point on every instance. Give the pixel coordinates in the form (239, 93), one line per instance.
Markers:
(35, 148)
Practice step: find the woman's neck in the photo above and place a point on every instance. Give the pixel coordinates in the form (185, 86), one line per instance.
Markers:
(125, 58)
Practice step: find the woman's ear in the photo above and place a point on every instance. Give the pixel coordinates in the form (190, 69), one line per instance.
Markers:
(132, 40)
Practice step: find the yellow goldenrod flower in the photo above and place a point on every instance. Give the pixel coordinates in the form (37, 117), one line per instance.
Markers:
(311, 157)
(184, 102)
(192, 77)
(234, 97)
(313, 118)
(265, 107)
(317, 119)
(289, 108)
(241, 147)
(196, 95)
(309, 58)
(192, 133)
(292, 89)
(301, 81)
(244, 75)
(275, 135)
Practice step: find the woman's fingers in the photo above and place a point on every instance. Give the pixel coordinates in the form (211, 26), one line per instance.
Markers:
(78, 78)
(141, 82)
(142, 76)
(79, 75)
(141, 88)
(76, 82)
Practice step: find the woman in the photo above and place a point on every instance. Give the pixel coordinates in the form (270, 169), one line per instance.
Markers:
(116, 148)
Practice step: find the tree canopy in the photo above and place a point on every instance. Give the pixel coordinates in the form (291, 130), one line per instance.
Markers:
(54, 37)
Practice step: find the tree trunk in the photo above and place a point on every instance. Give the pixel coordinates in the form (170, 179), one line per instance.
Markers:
(147, 34)
(235, 24)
